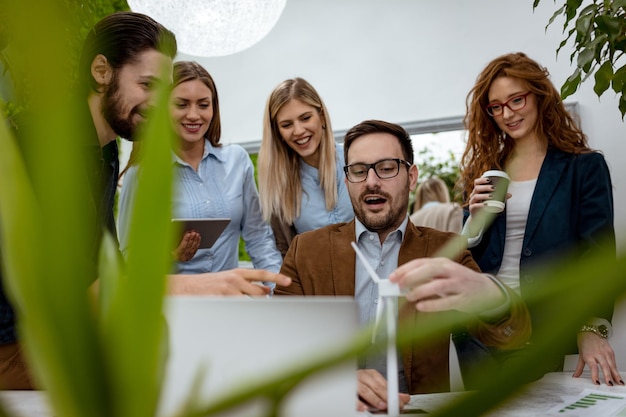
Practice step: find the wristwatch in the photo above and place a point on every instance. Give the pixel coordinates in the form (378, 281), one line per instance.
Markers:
(601, 330)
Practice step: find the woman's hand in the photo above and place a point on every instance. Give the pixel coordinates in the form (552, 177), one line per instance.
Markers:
(188, 246)
(483, 189)
(596, 353)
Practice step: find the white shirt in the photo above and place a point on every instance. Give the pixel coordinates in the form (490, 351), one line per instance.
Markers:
(517, 208)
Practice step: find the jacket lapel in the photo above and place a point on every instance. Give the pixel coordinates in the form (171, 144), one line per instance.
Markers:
(551, 171)
(343, 259)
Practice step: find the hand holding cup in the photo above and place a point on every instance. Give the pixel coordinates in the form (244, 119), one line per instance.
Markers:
(500, 181)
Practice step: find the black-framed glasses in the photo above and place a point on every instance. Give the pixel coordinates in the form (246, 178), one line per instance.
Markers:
(384, 169)
(514, 104)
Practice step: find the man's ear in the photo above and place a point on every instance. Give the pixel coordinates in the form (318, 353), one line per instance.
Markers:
(413, 174)
(101, 70)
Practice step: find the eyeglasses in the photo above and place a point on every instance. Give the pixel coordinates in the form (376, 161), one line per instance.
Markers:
(384, 169)
(514, 104)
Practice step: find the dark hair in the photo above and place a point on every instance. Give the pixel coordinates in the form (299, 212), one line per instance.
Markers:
(378, 126)
(188, 71)
(121, 37)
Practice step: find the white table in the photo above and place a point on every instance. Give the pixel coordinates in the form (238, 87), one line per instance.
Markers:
(26, 403)
(537, 399)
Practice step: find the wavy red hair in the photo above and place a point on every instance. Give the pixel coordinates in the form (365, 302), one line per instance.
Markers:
(486, 149)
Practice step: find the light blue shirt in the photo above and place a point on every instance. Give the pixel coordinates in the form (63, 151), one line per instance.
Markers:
(384, 260)
(313, 213)
(223, 187)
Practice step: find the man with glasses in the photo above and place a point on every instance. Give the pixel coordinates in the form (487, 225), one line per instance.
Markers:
(379, 175)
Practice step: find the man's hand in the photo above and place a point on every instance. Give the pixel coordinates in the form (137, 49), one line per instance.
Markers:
(440, 284)
(188, 246)
(372, 389)
(597, 354)
(239, 281)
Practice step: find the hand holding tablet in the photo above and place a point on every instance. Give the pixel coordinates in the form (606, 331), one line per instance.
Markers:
(209, 229)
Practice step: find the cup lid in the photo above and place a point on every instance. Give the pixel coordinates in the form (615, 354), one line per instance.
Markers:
(496, 173)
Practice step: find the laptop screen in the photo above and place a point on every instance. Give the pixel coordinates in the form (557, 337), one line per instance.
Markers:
(232, 342)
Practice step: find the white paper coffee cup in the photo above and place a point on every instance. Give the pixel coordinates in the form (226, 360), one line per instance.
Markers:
(500, 180)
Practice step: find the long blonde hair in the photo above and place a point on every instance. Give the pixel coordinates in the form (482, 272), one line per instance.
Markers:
(432, 189)
(280, 185)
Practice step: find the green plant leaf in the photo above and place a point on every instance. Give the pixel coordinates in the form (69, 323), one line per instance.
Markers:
(571, 6)
(622, 104)
(603, 77)
(571, 84)
(585, 58)
(619, 80)
(583, 25)
(49, 277)
(610, 25)
(555, 15)
(616, 5)
(135, 350)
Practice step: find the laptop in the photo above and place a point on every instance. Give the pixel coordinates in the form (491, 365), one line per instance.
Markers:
(238, 340)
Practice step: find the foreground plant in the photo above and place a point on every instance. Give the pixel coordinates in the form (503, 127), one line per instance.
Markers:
(598, 31)
(107, 358)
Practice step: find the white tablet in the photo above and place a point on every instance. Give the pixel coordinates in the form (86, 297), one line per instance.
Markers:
(209, 229)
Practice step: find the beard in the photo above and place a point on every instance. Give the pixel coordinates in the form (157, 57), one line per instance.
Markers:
(112, 110)
(386, 220)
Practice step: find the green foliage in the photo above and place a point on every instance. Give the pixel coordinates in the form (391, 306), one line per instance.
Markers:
(80, 15)
(107, 359)
(599, 34)
(430, 166)
(243, 255)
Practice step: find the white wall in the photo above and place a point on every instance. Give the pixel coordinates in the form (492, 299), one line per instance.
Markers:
(405, 60)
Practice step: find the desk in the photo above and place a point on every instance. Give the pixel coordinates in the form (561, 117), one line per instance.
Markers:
(537, 399)
(26, 403)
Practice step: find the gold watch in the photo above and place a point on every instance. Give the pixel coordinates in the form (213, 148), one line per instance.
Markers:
(601, 330)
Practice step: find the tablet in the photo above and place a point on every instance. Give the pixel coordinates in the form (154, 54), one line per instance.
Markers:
(209, 229)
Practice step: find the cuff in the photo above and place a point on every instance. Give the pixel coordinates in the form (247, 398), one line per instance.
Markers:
(503, 311)
(469, 230)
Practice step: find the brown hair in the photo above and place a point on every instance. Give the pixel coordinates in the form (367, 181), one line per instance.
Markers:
(188, 71)
(378, 126)
(486, 148)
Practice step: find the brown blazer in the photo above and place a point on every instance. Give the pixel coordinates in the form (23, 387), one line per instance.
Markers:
(321, 262)
(283, 234)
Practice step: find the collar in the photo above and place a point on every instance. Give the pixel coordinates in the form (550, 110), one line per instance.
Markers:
(359, 228)
(209, 150)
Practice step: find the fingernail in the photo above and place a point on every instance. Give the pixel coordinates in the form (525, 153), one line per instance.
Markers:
(596, 382)
(621, 382)
(488, 180)
(611, 383)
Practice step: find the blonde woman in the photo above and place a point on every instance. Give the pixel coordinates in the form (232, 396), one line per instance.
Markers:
(300, 166)
(433, 207)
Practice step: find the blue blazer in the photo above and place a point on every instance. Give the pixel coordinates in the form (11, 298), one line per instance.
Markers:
(571, 212)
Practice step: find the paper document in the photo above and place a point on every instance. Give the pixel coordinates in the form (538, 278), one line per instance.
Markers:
(592, 403)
